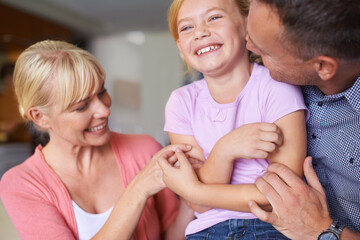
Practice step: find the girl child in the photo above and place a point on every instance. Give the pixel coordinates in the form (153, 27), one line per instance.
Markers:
(237, 118)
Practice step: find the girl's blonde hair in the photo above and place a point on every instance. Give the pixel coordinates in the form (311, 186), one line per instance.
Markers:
(243, 6)
(51, 72)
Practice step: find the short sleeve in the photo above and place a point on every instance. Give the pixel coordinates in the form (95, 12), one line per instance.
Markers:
(281, 99)
(178, 113)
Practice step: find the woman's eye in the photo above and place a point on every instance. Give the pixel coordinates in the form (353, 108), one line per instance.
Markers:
(102, 92)
(83, 107)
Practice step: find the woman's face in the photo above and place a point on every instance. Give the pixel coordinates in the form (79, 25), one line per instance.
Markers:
(84, 123)
(211, 35)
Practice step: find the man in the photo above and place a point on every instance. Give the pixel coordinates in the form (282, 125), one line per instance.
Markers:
(315, 44)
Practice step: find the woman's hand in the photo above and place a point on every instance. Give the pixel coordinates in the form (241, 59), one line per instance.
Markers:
(150, 178)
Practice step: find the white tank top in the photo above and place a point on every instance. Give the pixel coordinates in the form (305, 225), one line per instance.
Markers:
(88, 224)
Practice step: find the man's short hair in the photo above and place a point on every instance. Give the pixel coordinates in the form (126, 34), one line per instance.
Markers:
(319, 27)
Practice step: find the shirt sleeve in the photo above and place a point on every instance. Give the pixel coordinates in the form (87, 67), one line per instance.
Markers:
(33, 216)
(282, 99)
(178, 113)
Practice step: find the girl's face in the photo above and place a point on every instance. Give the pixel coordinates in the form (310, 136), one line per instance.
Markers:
(211, 35)
(84, 123)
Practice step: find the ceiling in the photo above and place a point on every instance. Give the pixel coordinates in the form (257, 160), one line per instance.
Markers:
(94, 17)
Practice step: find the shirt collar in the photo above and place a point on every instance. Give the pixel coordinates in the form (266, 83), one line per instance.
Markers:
(352, 94)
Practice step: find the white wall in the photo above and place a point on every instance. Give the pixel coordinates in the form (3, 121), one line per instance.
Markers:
(155, 65)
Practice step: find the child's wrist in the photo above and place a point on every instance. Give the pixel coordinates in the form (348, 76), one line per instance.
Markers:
(222, 152)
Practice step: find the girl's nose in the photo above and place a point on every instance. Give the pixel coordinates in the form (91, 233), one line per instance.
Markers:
(201, 32)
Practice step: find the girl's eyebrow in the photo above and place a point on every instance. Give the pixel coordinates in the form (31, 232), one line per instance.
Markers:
(206, 12)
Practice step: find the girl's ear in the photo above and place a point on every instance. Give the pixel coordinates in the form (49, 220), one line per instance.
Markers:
(38, 118)
(326, 67)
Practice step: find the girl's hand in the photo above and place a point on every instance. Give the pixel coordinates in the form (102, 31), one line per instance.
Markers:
(196, 154)
(254, 140)
(181, 179)
(149, 180)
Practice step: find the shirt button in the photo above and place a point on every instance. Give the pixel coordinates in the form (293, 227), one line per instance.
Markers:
(320, 104)
(351, 160)
(313, 135)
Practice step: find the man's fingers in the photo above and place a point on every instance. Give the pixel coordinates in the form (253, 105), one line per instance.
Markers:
(260, 213)
(311, 176)
(286, 174)
(268, 190)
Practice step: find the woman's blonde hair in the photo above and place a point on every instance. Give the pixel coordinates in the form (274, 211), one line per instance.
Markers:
(51, 72)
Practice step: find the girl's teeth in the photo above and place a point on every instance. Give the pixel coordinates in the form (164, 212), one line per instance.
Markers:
(206, 49)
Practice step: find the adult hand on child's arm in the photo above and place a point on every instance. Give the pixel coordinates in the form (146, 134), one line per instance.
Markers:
(299, 210)
(195, 155)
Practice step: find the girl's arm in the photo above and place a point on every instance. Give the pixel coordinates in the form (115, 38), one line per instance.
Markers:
(184, 181)
(195, 156)
(255, 140)
(291, 153)
(250, 141)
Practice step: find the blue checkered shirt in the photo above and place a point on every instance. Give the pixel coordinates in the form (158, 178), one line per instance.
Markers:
(333, 132)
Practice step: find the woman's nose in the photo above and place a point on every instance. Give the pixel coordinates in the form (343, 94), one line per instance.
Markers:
(102, 107)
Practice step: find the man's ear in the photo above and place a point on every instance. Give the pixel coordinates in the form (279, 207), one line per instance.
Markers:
(326, 67)
(38, 117)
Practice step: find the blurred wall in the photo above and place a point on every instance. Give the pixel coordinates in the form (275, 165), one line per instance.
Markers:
(154, 68)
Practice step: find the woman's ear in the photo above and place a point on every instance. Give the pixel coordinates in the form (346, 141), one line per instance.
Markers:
(326, 67)
(38, 117)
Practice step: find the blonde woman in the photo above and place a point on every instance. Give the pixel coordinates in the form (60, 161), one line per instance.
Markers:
(87, 182)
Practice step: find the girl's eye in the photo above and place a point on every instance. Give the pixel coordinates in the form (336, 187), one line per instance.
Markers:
(185, 28)
(83, 107)
(214, 18)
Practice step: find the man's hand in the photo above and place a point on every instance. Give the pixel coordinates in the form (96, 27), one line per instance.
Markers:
(299, 210)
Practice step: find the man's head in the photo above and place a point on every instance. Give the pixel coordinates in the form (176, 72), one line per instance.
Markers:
(304, 39)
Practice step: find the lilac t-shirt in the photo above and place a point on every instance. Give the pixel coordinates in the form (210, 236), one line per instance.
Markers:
(191, 110)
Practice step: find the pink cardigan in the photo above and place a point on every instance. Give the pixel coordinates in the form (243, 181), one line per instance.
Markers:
(40, 206)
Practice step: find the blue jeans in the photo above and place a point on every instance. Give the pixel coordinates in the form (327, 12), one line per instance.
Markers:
(234, 229)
